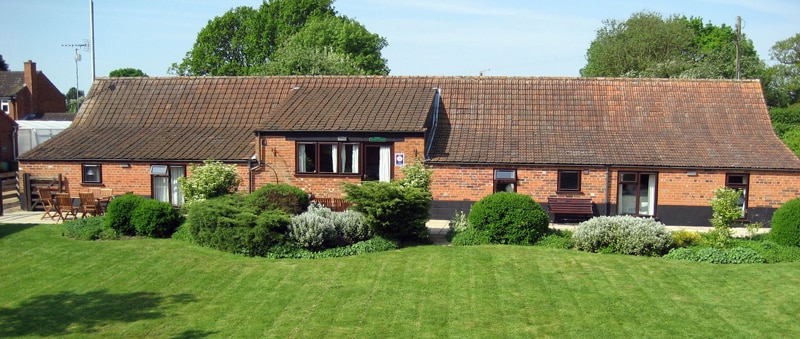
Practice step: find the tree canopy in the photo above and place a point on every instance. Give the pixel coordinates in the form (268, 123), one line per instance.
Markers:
(127, 72)
(284, 37)
(649, 45)
(3, 64)
(782, 81)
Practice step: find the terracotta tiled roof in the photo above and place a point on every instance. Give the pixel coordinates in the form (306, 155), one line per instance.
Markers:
(482, 120)
(596, 121)
(353, 108)
(175, 118)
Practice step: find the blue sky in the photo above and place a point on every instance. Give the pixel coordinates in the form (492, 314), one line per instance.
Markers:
(426, 37)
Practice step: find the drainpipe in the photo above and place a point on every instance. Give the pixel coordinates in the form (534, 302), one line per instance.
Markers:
(250, 175)
(434, 123)
(14, 136)
(608, 190)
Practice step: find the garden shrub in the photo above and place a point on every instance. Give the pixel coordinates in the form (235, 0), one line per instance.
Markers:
(155, 219)
(268, 232)
(351, 227)
(470, 237)
(771, 251)
(559, 239)
(684, 238)
(682, 253)
(459, 222)
(509, 218)
(183, 232)
(213, 179)
(229, 224)
(623, 234)
(286, 198)
(786, 224)
(416, 175)
(119, 212)
(714, 255)
(373, 245)
(724, 213)
(93, 228)
(391, 210)
(314, 229)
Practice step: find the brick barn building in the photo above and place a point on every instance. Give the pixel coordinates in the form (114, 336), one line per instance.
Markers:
(645, 147)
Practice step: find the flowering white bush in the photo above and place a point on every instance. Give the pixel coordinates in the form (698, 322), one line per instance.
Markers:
(416, 175)
(213, 179)
(350, 225)
(320, 228)
(623, 234)
(314, 228)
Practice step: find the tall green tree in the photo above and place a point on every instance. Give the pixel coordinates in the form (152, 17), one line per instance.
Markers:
(245, 41)
(74, 99)
(3, 64)
(649, 45)
(345, 37)
(127, 72)
(782, 81)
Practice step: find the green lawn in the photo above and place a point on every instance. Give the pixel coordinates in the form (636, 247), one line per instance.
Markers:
(54, 286)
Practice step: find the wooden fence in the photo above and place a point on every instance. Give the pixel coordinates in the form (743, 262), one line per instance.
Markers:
(9, 188)
(33, 184)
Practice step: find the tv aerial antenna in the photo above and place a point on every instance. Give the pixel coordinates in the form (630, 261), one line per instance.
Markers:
(84, 46)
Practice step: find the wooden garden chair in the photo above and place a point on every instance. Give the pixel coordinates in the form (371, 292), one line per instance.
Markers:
(46, 199)
(88, 204)
(64, 207)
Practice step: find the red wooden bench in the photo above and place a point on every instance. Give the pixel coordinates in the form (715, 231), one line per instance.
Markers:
(572, 208)
(335, 204)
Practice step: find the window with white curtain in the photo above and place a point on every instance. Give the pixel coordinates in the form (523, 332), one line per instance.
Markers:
(165, 183)
(385, 171)
(349, 155)
(637, 193)
(328, 158)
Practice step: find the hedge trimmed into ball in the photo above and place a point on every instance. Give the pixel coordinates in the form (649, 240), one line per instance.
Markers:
(509, 218)
(786, 224)
(155, 219)
(119, 211)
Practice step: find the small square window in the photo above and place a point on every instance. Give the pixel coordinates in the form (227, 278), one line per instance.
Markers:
(569, 180)
(505, 180)
(91, 173)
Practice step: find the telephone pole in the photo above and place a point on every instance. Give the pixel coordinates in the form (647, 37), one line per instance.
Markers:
(738, 46)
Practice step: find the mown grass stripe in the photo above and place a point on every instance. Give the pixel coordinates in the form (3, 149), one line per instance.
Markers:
(53, 286)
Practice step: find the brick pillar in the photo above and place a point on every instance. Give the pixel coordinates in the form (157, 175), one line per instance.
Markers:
(30, 81)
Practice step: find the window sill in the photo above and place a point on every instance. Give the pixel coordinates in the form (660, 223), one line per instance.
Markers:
(99, 184)
(328, 175)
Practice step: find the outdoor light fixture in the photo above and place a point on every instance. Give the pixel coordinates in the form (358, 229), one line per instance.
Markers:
(125, 165)
(691, 173)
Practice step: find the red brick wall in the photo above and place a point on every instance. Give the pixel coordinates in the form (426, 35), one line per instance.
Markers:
(278, 166)
(675, 187)
(135, 178)
(39, 95)
(48, 99)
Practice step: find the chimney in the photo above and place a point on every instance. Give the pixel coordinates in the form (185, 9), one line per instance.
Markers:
(30, 76)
